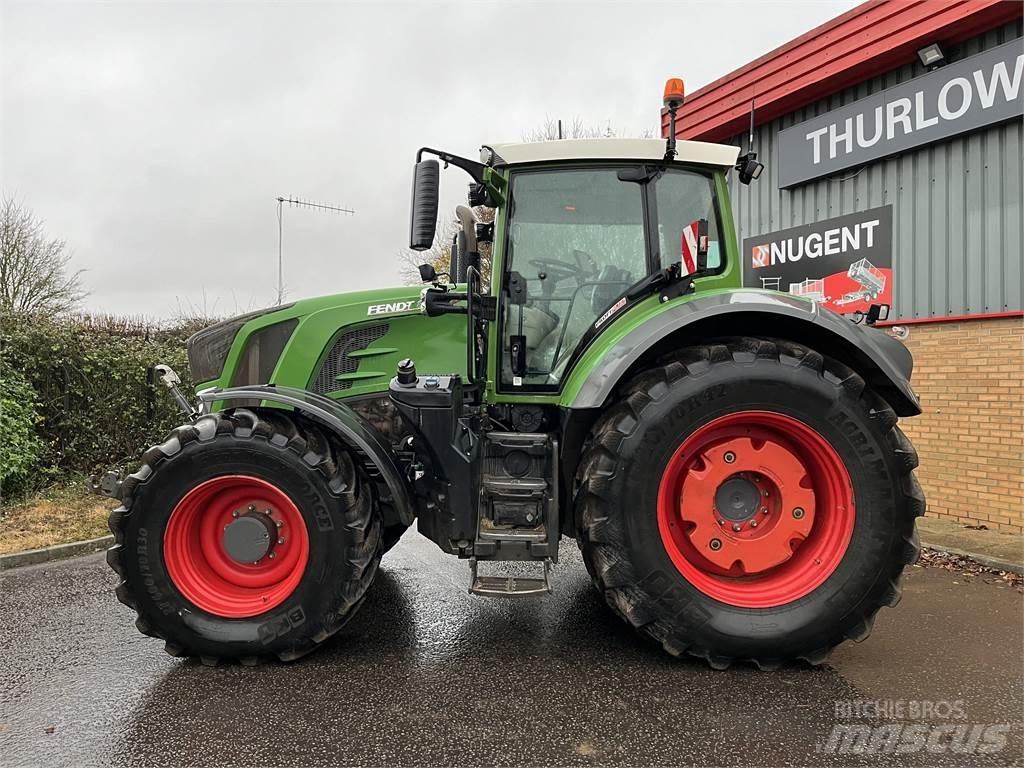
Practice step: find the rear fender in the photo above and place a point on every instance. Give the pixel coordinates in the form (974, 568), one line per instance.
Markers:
(882, 360)
(340, 420)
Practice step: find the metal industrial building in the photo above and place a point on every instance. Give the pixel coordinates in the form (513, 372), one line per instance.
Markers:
(892, 141)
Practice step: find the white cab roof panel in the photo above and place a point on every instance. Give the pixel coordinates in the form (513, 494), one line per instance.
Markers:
(612, 149)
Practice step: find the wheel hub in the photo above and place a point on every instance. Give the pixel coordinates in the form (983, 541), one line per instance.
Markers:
(236, 546)
(250, 537)
(737, 499)
(755, 508)
(743, 511)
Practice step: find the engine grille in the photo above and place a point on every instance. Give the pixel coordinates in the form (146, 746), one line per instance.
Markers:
(338, 361)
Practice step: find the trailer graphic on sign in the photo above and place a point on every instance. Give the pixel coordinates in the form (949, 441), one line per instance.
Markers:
(844, 264)
(872, 281)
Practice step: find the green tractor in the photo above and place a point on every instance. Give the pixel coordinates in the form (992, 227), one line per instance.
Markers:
(727, 459)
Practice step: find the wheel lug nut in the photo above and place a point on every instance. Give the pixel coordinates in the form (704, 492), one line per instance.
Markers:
(252, 507)
(729, 457)
(753, 523)
(271, 555)
(721, 522)
(764, 492)
(235, 513)
(280, 541)
(798, 513)
(279, 523)
(764, 510)
(715, 544)
(736, 526)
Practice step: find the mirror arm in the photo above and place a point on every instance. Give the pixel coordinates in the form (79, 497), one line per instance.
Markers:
(473, 168)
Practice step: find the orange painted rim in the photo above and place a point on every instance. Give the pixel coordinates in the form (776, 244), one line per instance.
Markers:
(774, 551)
(200, 566)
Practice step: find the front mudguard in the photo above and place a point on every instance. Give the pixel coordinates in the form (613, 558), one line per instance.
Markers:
(882, 360)
(340, 420)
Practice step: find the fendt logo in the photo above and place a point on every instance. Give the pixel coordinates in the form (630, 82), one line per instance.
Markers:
(390, 308)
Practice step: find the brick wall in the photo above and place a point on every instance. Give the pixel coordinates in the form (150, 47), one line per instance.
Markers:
(970, 377)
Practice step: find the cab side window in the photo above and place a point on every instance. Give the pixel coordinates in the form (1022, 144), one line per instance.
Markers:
(683, 197)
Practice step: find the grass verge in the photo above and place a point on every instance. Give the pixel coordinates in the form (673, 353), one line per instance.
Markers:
(58, 516)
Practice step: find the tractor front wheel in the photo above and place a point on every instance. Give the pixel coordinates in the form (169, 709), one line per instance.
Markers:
(748, 500)
(246, 535)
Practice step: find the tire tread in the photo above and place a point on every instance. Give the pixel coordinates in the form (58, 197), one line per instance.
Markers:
(322, 454)
(598, 534)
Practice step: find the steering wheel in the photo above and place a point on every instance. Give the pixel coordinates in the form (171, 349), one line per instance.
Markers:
(556, 270)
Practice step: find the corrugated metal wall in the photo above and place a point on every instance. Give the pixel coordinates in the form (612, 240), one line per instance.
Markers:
(958, 212)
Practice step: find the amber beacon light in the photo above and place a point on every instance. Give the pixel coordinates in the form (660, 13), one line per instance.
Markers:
(673, 100)
(675, 92)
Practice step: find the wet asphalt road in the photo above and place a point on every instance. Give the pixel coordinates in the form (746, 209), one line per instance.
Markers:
(428, 675)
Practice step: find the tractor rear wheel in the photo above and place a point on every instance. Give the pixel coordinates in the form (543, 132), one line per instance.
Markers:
(246, 535)
(748, 500)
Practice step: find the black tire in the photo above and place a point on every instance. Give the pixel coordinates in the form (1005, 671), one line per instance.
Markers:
(391, 536)
(334, 500)
(631, 444)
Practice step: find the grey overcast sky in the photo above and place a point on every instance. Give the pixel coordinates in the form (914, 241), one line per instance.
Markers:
(154, 137)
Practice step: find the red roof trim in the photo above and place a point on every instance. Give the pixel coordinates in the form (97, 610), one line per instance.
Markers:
(868, 40)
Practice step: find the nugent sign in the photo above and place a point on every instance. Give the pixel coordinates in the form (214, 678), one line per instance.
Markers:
(959, 97)
(844, 264)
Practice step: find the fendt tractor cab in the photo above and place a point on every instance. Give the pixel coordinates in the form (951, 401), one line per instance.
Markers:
(727, 459)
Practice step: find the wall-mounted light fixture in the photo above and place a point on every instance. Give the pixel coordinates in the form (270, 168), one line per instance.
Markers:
(931, 56)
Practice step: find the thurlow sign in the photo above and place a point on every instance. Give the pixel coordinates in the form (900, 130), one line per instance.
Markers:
(959, 97)
(844, 264)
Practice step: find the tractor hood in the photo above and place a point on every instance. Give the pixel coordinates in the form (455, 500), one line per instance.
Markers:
(380, 301)
(338, 345)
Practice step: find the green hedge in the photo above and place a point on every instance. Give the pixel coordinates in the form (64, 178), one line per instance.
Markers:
(19, 445)
(95, 408)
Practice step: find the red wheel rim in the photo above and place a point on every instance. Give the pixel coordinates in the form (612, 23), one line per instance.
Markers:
(199, 563)
(801, 523)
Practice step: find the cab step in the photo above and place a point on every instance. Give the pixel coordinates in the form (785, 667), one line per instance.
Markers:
(511, 583)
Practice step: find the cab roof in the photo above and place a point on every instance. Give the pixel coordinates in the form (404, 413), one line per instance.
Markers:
(701, 152)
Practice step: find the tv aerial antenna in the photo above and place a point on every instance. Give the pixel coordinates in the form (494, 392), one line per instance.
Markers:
(295, 202)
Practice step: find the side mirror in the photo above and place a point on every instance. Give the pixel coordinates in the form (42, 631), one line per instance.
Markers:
(423, 218)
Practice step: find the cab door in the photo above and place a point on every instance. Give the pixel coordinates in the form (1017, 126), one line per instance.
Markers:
(578, 238)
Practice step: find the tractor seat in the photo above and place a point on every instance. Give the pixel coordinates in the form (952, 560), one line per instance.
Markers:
(537, 324)
(611, 281)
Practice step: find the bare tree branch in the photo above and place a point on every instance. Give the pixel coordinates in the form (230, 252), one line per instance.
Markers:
(439, 255)
(576, 129)
(572, 129)
(35, 275)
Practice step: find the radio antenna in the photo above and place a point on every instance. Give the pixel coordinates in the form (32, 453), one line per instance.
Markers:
(750, 137)
(299, 203)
